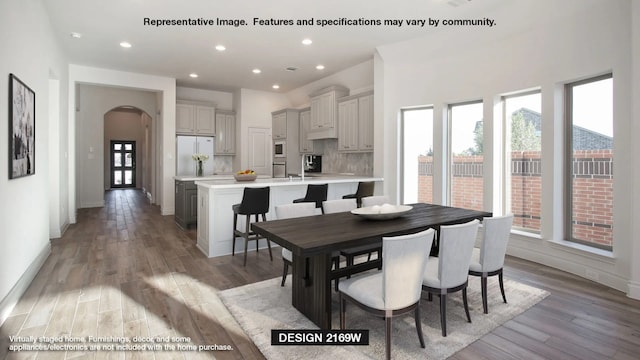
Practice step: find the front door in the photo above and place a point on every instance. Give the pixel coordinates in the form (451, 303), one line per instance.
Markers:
(123, 163)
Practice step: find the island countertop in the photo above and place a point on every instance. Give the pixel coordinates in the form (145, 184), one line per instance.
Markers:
(260, 182)
(217, 197)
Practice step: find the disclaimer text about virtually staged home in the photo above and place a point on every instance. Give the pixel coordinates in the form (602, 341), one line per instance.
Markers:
(335, 22)
(109, 343)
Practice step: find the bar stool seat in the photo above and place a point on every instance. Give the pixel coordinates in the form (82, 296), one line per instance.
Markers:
(255, 201)
(315, 194)
(365, 188)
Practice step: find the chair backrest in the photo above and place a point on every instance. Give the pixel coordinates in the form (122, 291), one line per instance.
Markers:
(317, 193)
(403, 265)
(456, 245)
(365, 188)
(254, 201)
(494, 242)
(340, 205)
(374, 200)
(295, 210)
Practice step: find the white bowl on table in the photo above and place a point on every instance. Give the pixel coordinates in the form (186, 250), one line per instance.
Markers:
(382, 212)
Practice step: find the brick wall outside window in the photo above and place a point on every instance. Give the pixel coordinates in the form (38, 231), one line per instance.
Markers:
(592, 198)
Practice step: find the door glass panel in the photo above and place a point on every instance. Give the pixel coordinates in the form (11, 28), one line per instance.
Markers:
(128, 159)
(128, 177)
(117, 146)
(117, 177)
(117, 159)
(128, 146)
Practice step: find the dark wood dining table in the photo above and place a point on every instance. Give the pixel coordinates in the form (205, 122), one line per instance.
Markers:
(314, 240)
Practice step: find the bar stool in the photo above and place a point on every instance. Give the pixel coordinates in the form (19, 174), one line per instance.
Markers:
(365, 188)
(255, 201)
(315, 194)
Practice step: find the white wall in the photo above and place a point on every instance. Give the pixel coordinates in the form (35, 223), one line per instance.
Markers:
(634, 282)
(254, 110)
(30, 52)
(222, 100)
(560, 42)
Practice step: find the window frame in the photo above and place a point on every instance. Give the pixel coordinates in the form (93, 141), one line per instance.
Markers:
(568, 160)
(402, 143)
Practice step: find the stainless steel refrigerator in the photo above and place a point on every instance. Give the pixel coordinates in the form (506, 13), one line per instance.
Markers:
(186, 146)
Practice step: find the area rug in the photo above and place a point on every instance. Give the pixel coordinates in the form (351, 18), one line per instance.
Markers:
(264, 306)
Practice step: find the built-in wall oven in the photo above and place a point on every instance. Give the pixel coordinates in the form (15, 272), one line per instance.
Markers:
(279, 149)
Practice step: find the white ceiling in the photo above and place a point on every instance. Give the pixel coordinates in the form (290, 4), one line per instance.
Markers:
(177, 51)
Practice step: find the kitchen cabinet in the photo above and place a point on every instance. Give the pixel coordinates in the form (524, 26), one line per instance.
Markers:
(306, 145)
(279, 126)
(348, 125)
(324, 112)
(225, 142)
(195, 119)
(186, 203)
(355, 123)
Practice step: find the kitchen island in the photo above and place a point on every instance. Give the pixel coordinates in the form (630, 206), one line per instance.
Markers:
(215, 198)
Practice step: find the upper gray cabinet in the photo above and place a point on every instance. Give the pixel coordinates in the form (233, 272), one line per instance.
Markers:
(355, 123)
(324, 112)
(195, 119)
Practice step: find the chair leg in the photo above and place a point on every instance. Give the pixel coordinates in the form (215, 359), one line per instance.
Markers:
(419, 325)
(483, 287)
(350, 261)
(343, 309)
(336, 282)
(443, 313)
(249, 227)
(466, 304)
(504, 298)
(235, 224)
(285, 270)
(246, 240)
(387, 335)
(264, 218)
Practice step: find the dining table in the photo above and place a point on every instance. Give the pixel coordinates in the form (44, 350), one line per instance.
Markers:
(316, 240)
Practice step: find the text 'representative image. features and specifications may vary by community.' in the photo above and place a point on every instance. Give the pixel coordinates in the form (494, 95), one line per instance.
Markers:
(333, 22)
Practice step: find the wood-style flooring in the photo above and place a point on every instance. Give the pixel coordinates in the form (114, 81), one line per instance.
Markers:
(125, 270)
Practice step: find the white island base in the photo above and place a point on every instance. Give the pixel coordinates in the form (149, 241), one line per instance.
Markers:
(216, 197)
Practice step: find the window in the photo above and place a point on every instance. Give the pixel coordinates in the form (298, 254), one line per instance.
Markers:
(417, 155)
(466, 155)
(589, 164)
(523, 178)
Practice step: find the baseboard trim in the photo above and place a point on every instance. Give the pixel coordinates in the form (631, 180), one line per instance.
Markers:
(634, 290)
(9, 302)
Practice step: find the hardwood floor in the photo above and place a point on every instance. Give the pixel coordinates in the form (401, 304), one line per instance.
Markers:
(125, 270)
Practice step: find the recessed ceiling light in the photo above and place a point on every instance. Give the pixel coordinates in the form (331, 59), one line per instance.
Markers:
(276, 86)
(307, 41)
(256, 71)
(125, 44)
(220, 48)
(320, 67)
(193, 75)
(76, 35)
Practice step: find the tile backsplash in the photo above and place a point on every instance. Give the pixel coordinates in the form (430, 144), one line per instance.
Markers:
(222, 164)
(334, 161)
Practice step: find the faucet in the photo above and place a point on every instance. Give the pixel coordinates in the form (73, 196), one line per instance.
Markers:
(302, 168)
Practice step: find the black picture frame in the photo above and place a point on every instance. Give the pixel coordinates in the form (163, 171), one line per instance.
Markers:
(22, 129)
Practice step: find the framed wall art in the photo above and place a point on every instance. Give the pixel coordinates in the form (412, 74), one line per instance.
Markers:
(22, 129)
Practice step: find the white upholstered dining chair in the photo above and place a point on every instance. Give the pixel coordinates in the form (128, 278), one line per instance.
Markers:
(394, 290)
(488, 259)
(340, 205)
(292, 211)
(449, 272)
(375, 200)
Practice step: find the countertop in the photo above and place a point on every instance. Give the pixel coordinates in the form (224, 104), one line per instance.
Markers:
(327, 179)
